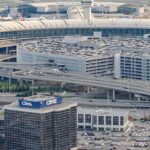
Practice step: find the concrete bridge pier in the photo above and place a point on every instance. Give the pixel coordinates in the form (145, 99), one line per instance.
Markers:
(130, 95)
(88, 89)
(113, 94)
(108, 95)
(62, 84)
(32, 87)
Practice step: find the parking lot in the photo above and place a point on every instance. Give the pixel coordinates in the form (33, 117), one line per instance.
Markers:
(137, 138)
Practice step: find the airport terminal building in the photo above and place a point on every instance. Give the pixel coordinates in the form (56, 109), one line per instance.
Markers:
(65, 27)
(40, 123)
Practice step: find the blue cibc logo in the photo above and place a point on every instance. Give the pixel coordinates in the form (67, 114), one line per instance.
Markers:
(47, 101)
(50, 102)
(25, 103)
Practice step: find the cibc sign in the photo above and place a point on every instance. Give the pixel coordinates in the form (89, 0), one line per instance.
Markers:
(40, 104)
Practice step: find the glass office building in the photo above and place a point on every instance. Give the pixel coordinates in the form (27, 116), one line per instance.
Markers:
(42, 123)
(133, 65)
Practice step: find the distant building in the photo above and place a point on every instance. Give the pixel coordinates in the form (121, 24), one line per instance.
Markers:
(132, 65)
(102, 119)
(75, 53)
(13, 12)
(100, 9)
(40, 123)
(26, 9)
(130, 9)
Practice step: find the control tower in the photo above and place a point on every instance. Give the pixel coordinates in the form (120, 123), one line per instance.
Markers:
(87, 4)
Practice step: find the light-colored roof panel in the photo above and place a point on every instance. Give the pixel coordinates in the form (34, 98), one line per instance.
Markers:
(76, 23)
(13, 26)
(31, 24)
(46, 23)
(110, 4)
(9, 26)
(101, 23)
(61, 23)
(2, 29)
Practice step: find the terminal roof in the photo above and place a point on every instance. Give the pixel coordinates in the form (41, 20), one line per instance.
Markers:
(74, 23)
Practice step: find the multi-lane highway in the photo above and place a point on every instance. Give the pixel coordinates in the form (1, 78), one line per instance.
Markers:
(28, 65)
(134, 86)
(5, 57)
(29, 72)
(108, 103)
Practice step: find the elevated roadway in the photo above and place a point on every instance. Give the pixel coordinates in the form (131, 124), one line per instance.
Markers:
(22, 66)
(47, 74)
(108, 103)
(133, 86)
(5, 57)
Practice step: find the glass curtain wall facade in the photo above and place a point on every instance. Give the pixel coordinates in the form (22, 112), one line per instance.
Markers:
(135, 68)
(73, 31)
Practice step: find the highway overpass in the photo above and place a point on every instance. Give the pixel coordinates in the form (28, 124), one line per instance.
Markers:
(128, 85)
(47, 74)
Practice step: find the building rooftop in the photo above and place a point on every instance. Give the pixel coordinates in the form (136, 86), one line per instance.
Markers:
(63, 3)
(29, 104)
(88, 48)
(37, 98)
(102, 111)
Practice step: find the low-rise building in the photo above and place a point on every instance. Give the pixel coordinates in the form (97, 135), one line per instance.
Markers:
(102, 119)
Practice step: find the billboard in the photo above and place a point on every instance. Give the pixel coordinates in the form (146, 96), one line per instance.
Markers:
(29, 103)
